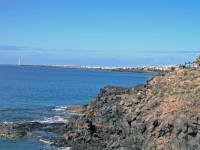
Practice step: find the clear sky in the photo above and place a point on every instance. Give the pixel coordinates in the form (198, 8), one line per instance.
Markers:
(99, 32)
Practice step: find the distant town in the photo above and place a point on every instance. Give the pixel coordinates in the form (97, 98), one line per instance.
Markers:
(159, 68)
(118, 68)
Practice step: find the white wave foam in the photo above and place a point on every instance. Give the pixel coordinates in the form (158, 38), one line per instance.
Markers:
(7, 123)
(64, 148)
(55, 119)
(59, 108)
(45, 141)
(64, 109)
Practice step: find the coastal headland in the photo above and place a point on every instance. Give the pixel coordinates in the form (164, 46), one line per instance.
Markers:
(163, 114)
(161, 68)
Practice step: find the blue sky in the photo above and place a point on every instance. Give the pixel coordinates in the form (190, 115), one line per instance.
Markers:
(99, 32)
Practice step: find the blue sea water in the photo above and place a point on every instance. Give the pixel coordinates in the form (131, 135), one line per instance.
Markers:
(32, 93)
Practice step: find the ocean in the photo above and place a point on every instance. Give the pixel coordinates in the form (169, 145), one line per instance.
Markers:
(37, 93)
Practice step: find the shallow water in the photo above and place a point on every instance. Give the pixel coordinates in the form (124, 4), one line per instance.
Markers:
(37, 93)
(24, 144)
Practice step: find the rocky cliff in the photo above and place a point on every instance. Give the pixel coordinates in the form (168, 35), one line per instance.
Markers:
(163, 114)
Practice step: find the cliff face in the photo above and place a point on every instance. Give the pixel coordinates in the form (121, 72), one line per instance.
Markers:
(163, 114)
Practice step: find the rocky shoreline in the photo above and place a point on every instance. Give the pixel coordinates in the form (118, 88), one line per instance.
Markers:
(162, 114)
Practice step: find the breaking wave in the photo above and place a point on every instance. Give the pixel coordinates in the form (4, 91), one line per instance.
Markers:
(55, 119)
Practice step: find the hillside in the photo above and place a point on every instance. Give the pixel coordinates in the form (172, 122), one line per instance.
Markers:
(164, 114)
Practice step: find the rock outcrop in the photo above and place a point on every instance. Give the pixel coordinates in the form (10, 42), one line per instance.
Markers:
(163, 114)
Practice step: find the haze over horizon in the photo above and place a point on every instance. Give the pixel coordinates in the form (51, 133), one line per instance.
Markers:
(103, 33)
